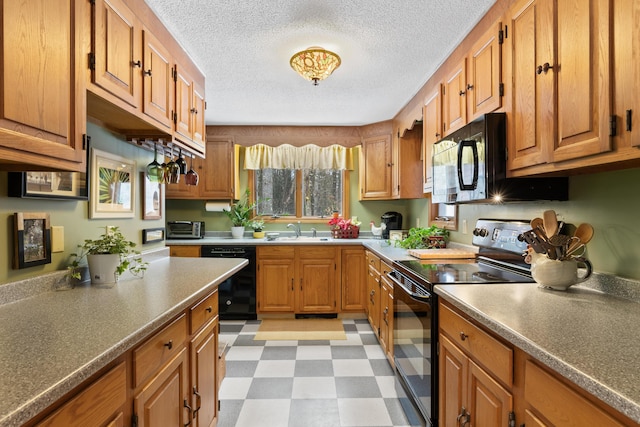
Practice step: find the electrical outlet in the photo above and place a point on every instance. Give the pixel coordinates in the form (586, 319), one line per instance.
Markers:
(57, 238)
(464, 227)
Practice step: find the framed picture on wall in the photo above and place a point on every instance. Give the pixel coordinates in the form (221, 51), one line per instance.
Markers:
(32, 239)
(48, 185)
(151, 198)
(113, 180)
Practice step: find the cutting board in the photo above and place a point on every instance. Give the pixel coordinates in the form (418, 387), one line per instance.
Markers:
(445, 253)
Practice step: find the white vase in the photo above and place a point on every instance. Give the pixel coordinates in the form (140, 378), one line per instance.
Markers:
(103, 267)
(237, 232)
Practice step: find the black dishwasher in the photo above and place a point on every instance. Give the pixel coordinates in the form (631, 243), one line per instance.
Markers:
(237, 294)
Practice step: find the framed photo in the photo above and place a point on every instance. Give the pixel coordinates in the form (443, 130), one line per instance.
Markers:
(32, 239)
(48, 185)
(150, 235)
(112, 186)
(151, 198)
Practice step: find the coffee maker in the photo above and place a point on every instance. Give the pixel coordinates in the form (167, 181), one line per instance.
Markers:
(393, 221)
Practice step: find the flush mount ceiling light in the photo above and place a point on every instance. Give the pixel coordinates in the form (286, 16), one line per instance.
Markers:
(315, 63)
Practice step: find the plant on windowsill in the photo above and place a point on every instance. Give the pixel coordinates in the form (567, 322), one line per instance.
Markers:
(239, 214)
(108, 257)
(257, 225)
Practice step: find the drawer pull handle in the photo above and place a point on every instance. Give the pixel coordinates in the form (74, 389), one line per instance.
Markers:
(198, 399)
(463, 336)
(186, 405)
(209, 309)
(169, 344)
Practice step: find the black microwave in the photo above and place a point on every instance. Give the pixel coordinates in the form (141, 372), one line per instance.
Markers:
(185, 229)
(470, 166)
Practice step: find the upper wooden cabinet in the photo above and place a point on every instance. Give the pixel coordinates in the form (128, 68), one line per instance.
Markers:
(560, 81)
(42, 117)
(216, 174)
(474, 86)
(141, 83)
(375, 167)
(431, 133)
(407, 164)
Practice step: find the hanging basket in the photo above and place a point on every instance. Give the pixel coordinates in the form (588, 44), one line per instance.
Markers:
(350, 233)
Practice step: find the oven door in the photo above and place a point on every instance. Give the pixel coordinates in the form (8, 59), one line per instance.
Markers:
(414, 343)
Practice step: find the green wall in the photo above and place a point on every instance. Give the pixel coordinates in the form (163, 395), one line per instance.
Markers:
(73, 215)
(608, 200)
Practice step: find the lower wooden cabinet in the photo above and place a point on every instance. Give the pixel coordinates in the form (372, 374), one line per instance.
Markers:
(379, 294)
(185, 251)
(204, 373)
(353, 278)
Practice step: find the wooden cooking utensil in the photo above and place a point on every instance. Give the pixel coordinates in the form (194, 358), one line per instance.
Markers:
(537, 222)
(550, 221)
(584, 232)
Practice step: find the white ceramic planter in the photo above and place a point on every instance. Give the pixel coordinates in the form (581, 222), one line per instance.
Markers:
(102, 268)
(237, 232)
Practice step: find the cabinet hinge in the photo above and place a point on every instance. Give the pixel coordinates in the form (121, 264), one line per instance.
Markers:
(613, 131)
(175, 118)
(444, 90)
(500, 36)
(512, 419)
(86, 139)
(219, 405)
(629, 114)
(134, 420)
(92, 61)
(205, 105)
(501, 89)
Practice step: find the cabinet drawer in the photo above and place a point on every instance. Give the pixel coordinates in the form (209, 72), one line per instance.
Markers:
(486, 350)
(317, 252)
(204, 311)
(373, 260)
(158, 349)
(560, 404)
(185, 251)
(95, 405)
(384, 270)
(278, 252)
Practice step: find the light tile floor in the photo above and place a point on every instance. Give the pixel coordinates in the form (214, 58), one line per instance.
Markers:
(308, 383)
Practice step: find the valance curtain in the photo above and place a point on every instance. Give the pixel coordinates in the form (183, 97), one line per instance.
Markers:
(286, 156)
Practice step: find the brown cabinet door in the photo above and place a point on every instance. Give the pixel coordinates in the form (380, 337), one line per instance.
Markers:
(117, 49)
(316, 291)
(454, 114)
(275, 285)
(204, 362)
(452, 382)
(386, 317)
(354, 279)
(489, 403)
(197, 116)
(184, 104)
(432, 133)
(42, 118)
(157, 81)
(484, 74)
(375, 168)
(163, 400)
(216, 171)
(185, 251)
(374, 289)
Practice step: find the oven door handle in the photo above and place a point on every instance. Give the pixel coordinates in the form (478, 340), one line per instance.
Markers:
(415, 296)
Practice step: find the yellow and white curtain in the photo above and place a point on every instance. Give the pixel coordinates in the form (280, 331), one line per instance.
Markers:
(287, 156)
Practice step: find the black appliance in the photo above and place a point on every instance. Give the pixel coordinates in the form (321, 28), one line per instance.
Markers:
(499, 260)
(237, 294)
(185, 229)
(392, 221)
(470, 166)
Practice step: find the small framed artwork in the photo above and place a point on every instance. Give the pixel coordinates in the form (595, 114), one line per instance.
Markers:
(32, 239)
(48, 185)
(112, 186)
(150, 235)
(151, 198)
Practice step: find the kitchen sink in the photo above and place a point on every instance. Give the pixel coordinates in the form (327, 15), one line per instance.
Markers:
(303, 239)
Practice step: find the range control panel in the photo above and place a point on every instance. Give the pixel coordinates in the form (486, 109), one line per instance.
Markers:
(505, 235)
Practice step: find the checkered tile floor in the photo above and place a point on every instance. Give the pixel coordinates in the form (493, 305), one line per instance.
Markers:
(308, 383)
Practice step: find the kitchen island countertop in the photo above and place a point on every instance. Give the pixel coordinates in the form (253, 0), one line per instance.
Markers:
(588, 337)
(53, 341)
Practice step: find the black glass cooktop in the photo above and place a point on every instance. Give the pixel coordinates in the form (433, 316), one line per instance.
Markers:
(434, 272)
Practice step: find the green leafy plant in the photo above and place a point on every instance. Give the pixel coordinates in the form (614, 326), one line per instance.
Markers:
(418, 238)
(256, 224)
(240, 212)
(110, 242)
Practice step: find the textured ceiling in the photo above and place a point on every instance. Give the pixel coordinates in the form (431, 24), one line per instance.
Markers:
(389, 49)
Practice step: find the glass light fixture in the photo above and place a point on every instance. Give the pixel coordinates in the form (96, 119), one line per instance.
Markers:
(315, 63)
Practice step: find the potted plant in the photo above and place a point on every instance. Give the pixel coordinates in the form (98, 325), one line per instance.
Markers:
(257, 225)
(432, 237)
(239, 214)
(108, 257)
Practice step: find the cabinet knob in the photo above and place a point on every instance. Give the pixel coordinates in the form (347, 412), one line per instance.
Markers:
(462, 92)
(437, 135)
(186, 405)
(469, 87)
(209, 309)
(147, 73)
(543, 68)
(137, 64)
(169, 344)
(194, 111)
(463, 336)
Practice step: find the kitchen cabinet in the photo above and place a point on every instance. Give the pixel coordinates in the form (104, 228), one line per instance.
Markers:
(157, 82)
(42, 119)
(432, 133)
(353, 279)
(184, 250)
(375, 168)
(407, 165)
(386, 312)
(301, 279)
(560, 82)
(476, 374)
(102, 403)
(473, 87)
(204, 366)
(190, 106)
(374, 290)
(216, 174)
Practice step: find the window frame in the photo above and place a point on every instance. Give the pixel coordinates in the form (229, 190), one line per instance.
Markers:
(298, 216)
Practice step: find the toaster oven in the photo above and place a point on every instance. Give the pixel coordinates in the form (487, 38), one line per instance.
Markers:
(185, 229)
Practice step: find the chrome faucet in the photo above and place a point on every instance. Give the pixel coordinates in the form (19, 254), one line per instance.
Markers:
(314, 232)
(296, 228)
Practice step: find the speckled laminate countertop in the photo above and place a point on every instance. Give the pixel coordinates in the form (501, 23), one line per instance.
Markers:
(52, 341)
(589, 337)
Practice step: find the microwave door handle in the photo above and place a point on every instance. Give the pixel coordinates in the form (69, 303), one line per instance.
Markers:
(474, 150)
